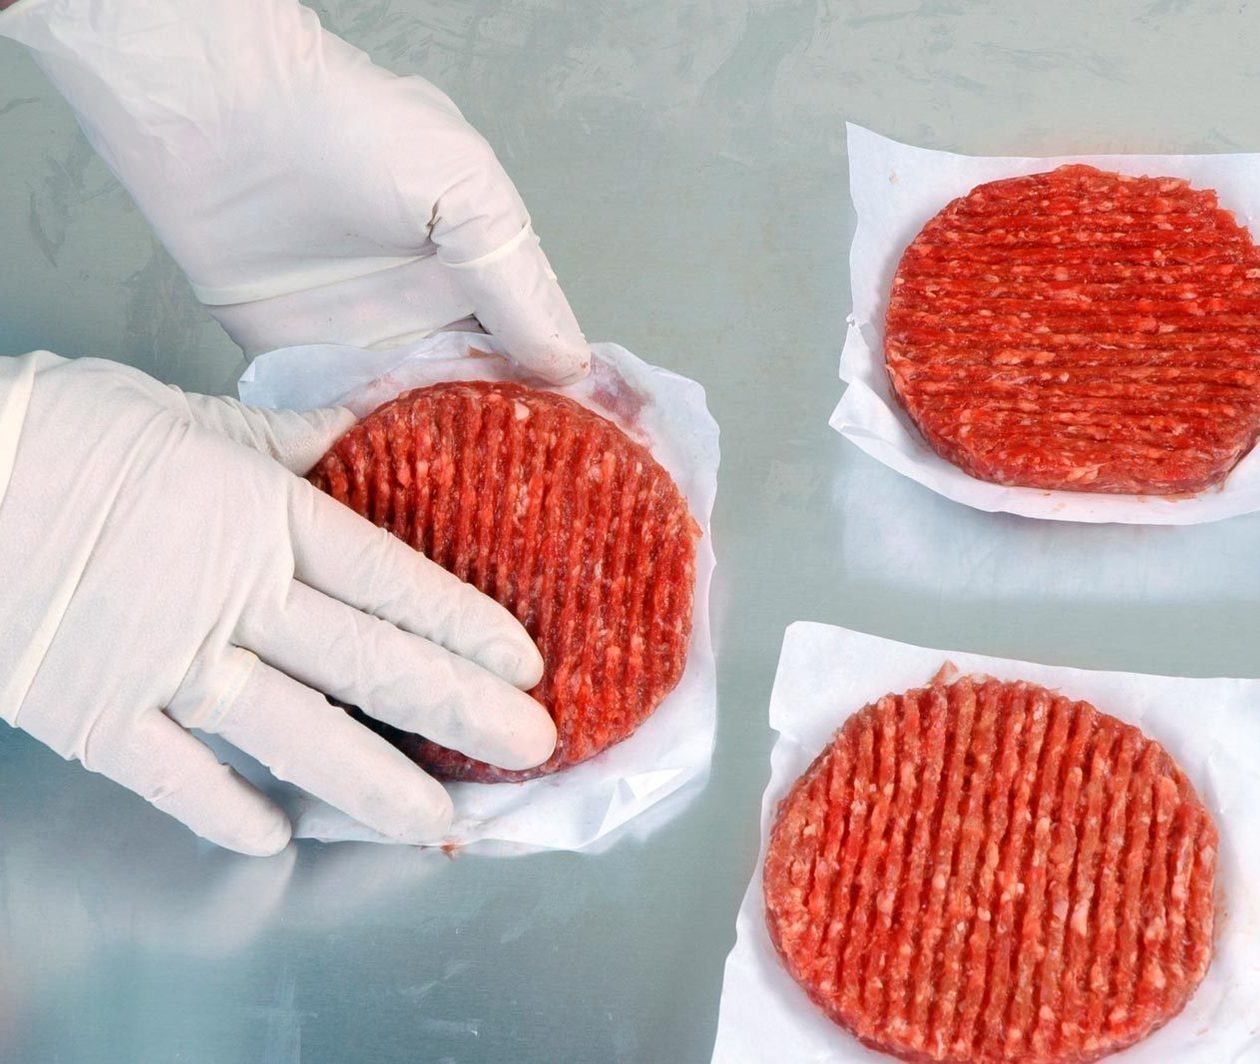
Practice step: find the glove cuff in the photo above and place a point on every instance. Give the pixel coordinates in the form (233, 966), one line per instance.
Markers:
(17, 378)
(23, 655)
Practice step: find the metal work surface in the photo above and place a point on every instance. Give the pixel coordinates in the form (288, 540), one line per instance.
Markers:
(684, 163)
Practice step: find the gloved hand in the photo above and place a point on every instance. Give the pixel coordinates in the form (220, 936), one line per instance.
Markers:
(162, 570)
(309, 195)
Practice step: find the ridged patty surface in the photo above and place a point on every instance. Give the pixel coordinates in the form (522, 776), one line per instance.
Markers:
(1081, 330)
(992, 873)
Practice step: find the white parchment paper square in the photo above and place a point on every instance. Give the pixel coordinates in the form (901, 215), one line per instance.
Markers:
(896, 189)
(1212, 729)
(572, 809)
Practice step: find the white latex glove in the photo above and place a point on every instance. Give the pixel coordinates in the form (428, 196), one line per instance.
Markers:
(309, 195)
(161, 569)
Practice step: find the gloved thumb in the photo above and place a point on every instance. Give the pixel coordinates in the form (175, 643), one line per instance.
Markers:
(517, 299)
(484, 237)
(295, 439)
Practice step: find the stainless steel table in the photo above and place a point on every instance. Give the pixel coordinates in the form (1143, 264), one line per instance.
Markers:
(684, 162)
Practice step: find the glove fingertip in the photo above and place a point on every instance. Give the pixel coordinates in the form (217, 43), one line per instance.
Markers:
(552, 356)
(265, 838)
(571, 366)
(518, 661)
(518, 300)
(229, 812)
(423, 816)
(538, 742)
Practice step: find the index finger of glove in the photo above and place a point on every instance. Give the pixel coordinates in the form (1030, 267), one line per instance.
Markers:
(350, 559)
(484, 236)
(401, 679)
(517, 299)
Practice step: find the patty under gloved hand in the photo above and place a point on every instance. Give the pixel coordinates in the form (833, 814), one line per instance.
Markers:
(309, 195)
(161, 569)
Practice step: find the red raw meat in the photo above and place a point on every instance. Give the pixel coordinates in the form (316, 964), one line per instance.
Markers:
(1081, 330)
(558, 515)
(990, 873)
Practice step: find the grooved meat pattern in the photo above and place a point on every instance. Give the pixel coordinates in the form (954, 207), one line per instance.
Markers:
(1081, 330)
(558, 515)
(988, 873)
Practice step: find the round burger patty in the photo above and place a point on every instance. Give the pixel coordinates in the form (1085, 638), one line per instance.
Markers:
(557, 514)
(1081, 330)
(990, 872)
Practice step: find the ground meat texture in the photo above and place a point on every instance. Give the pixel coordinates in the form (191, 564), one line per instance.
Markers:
(991, 873)
(557, 514)
(1081, 330)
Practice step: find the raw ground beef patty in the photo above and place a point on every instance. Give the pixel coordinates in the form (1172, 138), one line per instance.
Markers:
(1083, 331)
(558, 515)
(989, 872)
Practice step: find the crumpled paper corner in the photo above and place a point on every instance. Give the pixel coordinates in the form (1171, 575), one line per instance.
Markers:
(896, 188)
(574, 809)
